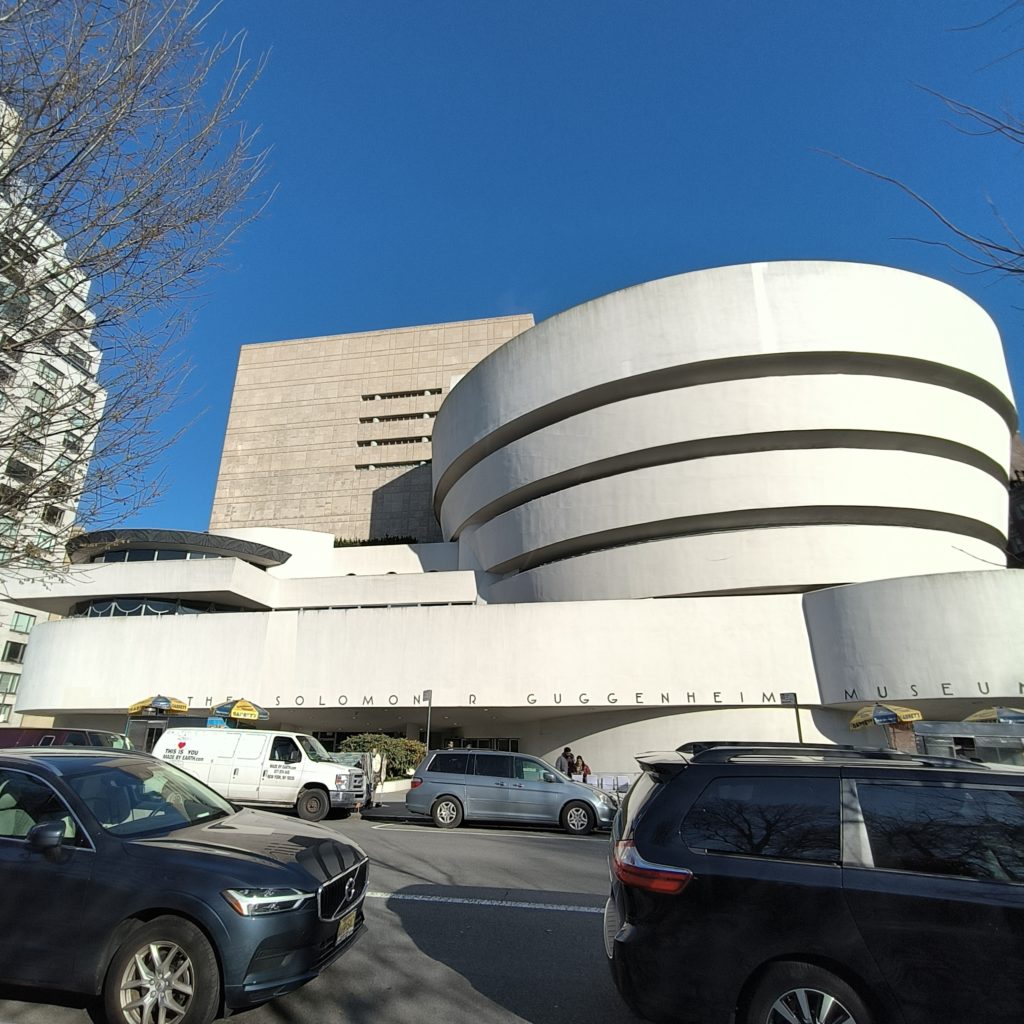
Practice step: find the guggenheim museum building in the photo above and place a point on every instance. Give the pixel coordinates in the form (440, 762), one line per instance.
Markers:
(736, 503)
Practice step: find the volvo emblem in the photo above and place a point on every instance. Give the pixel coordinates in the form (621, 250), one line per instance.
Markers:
(350, 889)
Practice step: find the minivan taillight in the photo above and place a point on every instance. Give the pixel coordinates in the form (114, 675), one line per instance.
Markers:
(416, 782)
(632, 869)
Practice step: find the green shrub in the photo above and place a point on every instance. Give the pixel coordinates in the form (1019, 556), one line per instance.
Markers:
(403, 755)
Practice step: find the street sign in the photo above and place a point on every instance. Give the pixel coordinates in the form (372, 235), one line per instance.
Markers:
(787, 698)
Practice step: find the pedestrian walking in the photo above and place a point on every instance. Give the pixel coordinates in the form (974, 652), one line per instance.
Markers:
(565, 762)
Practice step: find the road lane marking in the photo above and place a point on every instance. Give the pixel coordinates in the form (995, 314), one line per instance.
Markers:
(426, 831)
(467, 901)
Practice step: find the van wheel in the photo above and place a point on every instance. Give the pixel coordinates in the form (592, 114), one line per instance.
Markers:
(578, 818)
(312, 805)
(798, 993)
(446, 812)
(164, 971)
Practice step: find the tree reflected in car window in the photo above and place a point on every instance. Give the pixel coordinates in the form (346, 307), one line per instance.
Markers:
(131, 799)
(966, 831)
(783, 818)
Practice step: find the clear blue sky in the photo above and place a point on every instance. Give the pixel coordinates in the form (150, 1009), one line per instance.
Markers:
(446, 159)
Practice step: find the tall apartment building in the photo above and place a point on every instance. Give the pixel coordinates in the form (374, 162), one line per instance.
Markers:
(334, 433)
(50, 407)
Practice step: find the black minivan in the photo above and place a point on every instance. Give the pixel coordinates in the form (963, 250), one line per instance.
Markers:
(818, 885)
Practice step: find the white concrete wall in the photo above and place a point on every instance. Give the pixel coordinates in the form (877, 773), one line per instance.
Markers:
(955, 636)
(587, 655)
(795, 395)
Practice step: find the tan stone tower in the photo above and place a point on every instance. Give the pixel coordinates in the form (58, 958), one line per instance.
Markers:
(334, 433)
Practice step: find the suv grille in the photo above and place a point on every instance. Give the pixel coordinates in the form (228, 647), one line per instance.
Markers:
(333, 898)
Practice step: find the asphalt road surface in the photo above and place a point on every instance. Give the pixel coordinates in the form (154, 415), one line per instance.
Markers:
(474, 925)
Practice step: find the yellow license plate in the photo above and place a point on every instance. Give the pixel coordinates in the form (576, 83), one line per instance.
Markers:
(346, 926)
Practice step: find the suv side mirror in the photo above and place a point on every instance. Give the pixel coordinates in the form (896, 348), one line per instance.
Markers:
(46, 836)
(549, 777)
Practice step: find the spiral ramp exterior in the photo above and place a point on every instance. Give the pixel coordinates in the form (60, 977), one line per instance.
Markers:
(765, 428)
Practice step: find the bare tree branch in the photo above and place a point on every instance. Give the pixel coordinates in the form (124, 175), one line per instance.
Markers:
(125, 172)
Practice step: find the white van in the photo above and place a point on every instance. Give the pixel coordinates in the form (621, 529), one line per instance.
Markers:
(265, 769)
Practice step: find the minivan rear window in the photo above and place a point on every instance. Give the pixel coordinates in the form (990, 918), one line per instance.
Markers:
(449, 764)
(781, 818)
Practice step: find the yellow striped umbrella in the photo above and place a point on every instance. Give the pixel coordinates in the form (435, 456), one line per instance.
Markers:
(884, 714)
(160, 705)
(1003, 715)
(241, 711)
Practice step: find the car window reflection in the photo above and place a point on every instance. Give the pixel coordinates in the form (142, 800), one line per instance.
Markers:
(965, 831)
(138, 799)
(784, 818)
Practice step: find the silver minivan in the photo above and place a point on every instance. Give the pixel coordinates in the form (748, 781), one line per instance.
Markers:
(453, 786)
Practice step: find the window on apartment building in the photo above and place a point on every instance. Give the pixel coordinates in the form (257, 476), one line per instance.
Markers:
(8, 526)
(21, 622)
(79, 357)
(9, 682)
(3, 401)
(14, 651)
(35, 420)
(20, 471)
(44, 398)
(50, 373)
(14, 299)
(30, 447)
(5, 712)
(45, 541)
(12, 497)
(73, 319)
(73, 441)
(53, 515)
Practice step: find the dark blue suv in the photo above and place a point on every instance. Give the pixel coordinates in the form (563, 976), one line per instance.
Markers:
(129, 881)
(818, 885)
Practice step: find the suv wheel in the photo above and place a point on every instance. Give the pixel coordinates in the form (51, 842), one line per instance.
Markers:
(164, 971)
(795, 993)
(578, 818)
(446, 812)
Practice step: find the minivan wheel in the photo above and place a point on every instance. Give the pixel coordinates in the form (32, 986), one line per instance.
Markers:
(164, 971)
(796, 993)
(446, 812)
(312, 805)
(579, 818)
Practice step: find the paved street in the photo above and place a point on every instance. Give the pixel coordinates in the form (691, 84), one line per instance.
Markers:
(477, 925)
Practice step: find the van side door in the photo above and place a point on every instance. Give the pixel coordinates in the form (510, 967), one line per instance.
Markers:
(934, 878)
(282, 772)
(532, 797)
(488, 785)
(245, 768)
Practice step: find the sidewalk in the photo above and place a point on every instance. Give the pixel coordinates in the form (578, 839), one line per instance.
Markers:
(392, 808)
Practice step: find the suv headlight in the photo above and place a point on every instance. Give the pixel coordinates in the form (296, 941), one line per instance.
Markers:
(254, 902)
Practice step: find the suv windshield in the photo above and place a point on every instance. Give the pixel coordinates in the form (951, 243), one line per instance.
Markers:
(135, 799)
(314, 749)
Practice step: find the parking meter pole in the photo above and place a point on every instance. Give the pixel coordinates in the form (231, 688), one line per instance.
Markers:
(428, 696)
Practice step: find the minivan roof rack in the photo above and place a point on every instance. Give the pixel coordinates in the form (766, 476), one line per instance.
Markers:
(699, 746)
(726, 752)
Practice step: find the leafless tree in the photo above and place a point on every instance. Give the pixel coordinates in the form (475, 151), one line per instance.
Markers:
(1001, 248)
(125, 171)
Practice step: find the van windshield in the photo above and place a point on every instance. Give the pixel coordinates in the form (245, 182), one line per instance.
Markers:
(314, 749)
